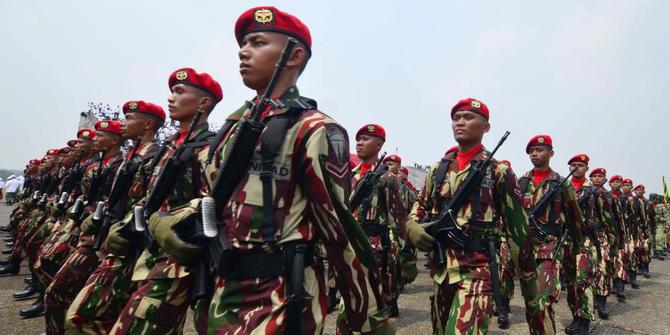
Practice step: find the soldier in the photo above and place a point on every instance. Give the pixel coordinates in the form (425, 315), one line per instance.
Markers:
(68, 281)
(644, 213)
(662, 215)
(274, 284)
(507, 274)
(633, 229)
(381, 214)
(461, 302)
(619, 273)
(161, 300)
(408, 269)
(98, 304)
(561, 215)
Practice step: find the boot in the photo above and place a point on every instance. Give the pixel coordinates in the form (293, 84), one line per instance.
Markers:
(9, 244)
(5, 262)
(572, 326)
(4, 228)
(618, 283)
(583, 326)
(646, 273)
(28, 279)
(393, 308)
(27, 293)
(11, 269)
(601, 307)
(633, 280)
(8, 239)
(332, 299)
(503, 315)
(7, 252)
(401, 285)
(35, 310)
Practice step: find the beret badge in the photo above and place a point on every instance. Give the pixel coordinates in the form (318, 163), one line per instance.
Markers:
(181, 75)
(263, 16)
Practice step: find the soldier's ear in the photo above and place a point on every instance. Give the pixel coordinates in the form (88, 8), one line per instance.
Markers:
(487, 126)
(551, 153)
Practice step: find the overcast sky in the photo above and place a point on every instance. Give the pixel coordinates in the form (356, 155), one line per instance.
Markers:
(592, 74)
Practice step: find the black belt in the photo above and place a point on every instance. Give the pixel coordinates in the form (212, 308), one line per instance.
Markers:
(374, 229)
(265, 264)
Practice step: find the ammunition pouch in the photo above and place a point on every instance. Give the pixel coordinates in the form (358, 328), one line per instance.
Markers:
(268, 264)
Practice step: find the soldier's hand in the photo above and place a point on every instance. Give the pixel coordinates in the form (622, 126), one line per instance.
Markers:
(161, 227)
(115, 242)
(417, 234)
(55, 211)
(88, 226)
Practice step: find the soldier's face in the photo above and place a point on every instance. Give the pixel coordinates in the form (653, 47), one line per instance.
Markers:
(105, 141)
(184, 102)
(580, 169)
(258, 54)
(598, 179)
(540, 155)
(615, 185)
(639, 192)
(627, 187)
(394, 167)
(84, 146)
(469, 127)
(134, 126)
(368, 147)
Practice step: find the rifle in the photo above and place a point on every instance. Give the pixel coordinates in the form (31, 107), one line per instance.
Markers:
(445, 229)
(493, 268)
(542, 204)
(235, 166)
(69, 183)
(119, 190)
(365, 187)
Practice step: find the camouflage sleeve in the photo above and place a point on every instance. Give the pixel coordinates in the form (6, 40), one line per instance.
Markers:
(424, 201)
(514, 216)
(608, 216)
(573, 215)
(396, 213)
(326, 179)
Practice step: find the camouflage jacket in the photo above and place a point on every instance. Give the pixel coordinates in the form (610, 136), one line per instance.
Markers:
(562, 210)
(597, 209)
(142, 159)
(639, 217)
(384, 205)
(499, 206)
(408, 194)
(619, 216)
(662, 215)
(189, 188)
(311, 185)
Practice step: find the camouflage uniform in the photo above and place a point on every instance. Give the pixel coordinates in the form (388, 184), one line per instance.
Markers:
(69, 279)
(311, 188)
(462, 289)
(408, 270)
(98, 304)
(619, 256)
(641, 218)
(662, 217)
(383, 208)
(541, 288)
(159, 304)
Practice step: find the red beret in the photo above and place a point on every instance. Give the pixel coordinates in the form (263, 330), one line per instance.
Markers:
(627, 181)
(405, 170)
(139, 106)
(372, 130)
(88, 134)
(71, 143)
(109, 126)
(472, 105)
(582, 158)
(52, 152)
(506, 162)
(393, 158)
(639, 186)
(539, 140)
(272, 19)
(202, 81)
(35, 162)
(601, 171)
(64, 151)
(616, 177)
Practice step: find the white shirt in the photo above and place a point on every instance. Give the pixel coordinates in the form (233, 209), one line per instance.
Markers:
(12, 186)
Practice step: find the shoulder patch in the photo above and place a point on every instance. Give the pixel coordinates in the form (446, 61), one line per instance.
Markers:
(338, 155)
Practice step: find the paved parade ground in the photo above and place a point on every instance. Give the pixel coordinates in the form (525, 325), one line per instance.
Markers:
(645, 312)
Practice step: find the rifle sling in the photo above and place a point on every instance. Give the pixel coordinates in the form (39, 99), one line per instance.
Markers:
(549, 228)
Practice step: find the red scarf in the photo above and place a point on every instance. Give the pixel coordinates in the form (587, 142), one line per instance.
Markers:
(181, 138)
(577, 183)
(463, 158)
(365, 167)
(538, 176)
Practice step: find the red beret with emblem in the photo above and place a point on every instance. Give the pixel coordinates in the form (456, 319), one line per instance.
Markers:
(640, 186)
(601, 171)
(109, 126)
(372, 130)
(581, 158)
(539, 140)
(616, 177)
(506, 162)
(272, 19)
(627, 181)
(64, 151)
(392, 158)
(139, 106)
(71, 143)
(35, 162)
(88, 134)
(202, 81)
(472, 105)
(53, 152)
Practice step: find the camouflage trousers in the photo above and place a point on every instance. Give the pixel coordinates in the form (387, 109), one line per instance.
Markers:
(158, 306)
(631, 255)
(659, 239)
(540, 287)
(54, 251)
(620, 267)
(387, 259)
(97, 306)
(644, 251)
(603, 274)
(464, 307)
(407, 260)
(581, 287)
(66, 284)
(507, 272)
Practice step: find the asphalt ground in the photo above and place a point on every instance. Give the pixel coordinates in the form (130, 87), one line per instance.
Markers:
(644, 312)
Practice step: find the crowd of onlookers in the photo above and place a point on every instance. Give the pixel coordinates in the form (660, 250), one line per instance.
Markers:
(10, 188)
